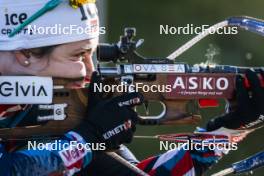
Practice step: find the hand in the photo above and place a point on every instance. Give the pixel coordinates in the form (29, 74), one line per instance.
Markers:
(250, 105)
(111, 121)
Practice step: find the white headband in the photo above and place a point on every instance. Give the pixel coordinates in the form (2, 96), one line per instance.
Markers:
(63, 24)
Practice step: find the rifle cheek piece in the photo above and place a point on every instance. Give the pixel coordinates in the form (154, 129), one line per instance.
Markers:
(66, 112)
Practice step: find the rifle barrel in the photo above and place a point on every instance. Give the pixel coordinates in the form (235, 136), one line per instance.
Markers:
(121, 69)
(224, 69)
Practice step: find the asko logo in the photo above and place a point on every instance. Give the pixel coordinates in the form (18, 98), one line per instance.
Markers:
(203, 83)
(25, 90)
(200, 85)
(17, 89)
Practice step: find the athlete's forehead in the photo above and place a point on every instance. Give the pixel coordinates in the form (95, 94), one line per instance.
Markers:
(83, 45)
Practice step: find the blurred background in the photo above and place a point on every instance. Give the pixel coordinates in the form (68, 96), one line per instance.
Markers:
(242, 49)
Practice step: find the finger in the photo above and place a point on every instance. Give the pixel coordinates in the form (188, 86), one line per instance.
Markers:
(242, 95)
(128, 100)
(94, 96)
(255, 84)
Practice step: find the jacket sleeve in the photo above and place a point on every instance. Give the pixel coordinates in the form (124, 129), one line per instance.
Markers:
(64, 156)
(194, 157)
(179, 161)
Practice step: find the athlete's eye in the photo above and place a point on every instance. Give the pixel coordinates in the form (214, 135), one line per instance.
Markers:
(82, 53)
(89, 51)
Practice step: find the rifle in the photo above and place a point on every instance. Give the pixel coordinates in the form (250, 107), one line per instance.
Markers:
(188, 87)
(204, 83)
(244, 166)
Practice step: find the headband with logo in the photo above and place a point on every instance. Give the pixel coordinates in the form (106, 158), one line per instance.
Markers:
(32, 24)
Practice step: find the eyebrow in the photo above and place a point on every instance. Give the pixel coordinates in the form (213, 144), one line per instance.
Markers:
(84, 48)
(79, 50)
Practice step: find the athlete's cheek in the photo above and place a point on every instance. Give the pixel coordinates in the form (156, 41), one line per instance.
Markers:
(88, 61)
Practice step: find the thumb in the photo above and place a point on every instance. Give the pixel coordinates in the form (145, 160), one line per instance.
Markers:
(129, 99)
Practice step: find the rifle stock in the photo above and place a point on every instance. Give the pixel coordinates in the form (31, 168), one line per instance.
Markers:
(175, 110)
(180, 92)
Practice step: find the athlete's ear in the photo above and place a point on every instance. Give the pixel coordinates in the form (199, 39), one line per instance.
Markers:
(22, 57)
